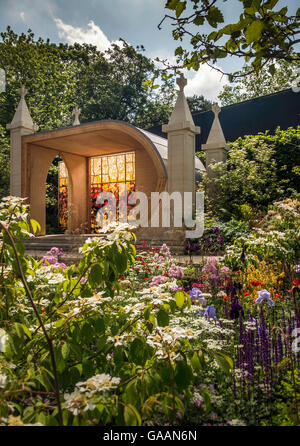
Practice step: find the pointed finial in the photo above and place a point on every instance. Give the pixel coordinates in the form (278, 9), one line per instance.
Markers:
(181, 82)
(216, 136)
(22, 118)
(216, 109)
(76, 112)
(22, 91)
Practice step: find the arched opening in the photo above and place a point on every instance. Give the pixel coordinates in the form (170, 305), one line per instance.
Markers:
(57, 190)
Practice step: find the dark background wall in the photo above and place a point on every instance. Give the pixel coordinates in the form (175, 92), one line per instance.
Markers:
(249, 117)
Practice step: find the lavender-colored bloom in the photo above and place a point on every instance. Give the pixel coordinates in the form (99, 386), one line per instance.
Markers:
(210, 312)
(264, 295)
(195, 294)
(225, 269)
(55, 251)
(216, 230)
(221, 240)
(49, 259)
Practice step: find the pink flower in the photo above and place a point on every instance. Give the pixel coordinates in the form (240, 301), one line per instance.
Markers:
(49, 260)
(225, 270)
(165, 250)
(176, 271)
(157, 280)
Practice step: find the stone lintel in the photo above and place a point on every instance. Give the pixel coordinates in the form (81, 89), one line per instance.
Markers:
(22, 125)
(212, 147)
(186, 125)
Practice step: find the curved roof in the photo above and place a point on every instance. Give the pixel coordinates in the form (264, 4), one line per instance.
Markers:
(98, 138)
(159, 144)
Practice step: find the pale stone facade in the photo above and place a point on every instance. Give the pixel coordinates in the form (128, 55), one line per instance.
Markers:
(160, 165)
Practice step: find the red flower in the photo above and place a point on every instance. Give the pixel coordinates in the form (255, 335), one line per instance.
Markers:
(296, 282)
(255, 283)
(238, 272)
(225, 298)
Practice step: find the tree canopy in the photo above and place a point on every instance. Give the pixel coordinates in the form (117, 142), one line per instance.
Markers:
(106, 85)
(262, 33)
(261, 83)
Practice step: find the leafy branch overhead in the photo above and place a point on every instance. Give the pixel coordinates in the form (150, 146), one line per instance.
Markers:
(262, 33)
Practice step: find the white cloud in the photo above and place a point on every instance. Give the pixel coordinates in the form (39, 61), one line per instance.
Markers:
(92, 34)
(22, 15)
(207, 82)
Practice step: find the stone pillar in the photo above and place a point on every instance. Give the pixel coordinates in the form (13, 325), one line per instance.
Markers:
(215, 147)
(181, 132)
(21, 124)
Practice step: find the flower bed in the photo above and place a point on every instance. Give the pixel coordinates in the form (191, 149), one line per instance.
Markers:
(128, 338)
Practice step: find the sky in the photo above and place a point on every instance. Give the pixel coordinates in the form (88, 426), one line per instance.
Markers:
(101, 22)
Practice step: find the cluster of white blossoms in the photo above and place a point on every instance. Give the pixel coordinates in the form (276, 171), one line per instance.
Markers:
(3, 381)
(115, 232)
(82, 398)
(3, 340)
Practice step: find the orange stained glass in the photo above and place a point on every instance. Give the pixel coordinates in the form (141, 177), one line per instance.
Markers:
(63, 184)
(111, 173)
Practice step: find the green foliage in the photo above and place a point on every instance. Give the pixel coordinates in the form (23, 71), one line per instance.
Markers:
(285, 409)
(4, 162)
(198, 103)
(257, 172)
(261, 34)
(261, 83)
(80, 346)
(276, 238)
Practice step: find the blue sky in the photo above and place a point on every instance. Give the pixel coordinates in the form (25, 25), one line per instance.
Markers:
(103, 21)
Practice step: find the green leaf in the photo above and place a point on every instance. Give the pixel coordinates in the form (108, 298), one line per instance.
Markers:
(138, 351)
(65, 350)
(224, 361)
(99, 325)
(132, 416)
(214, 16)
(44, 381)
(180, 8)
(272, 69)
(171, 4)
(178, 51)
(196, 362)
(198, 20)
(162, 318)
(179, 298)
(253, 32)
(183, 375)
(95, 275)
(35, 225)
(207, 400)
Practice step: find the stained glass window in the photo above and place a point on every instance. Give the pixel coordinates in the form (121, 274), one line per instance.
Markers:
(62, 194)
(111, 173)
